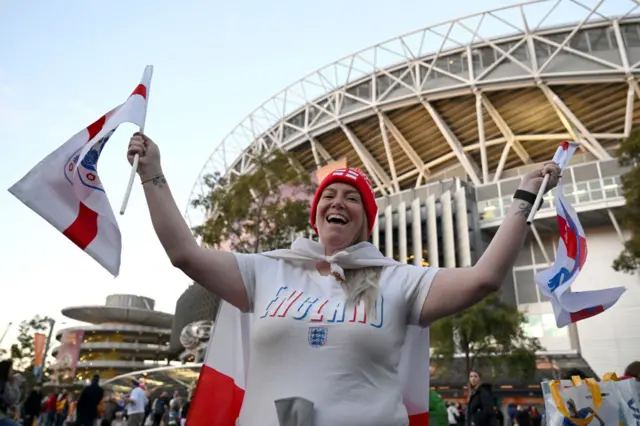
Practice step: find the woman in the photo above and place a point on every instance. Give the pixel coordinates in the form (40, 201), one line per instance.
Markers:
(351, 377)
(9, 393)
(480, 405)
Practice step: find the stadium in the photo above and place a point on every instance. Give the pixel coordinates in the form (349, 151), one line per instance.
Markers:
(445, 120)
(126, 334)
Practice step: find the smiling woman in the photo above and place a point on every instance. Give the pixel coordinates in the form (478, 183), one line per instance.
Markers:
(334, 322)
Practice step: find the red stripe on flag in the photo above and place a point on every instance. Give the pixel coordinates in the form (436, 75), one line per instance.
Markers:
(216, 401)
(586, 313)
(419, 419)
(140, 90)
(84, 229)
(96, 126)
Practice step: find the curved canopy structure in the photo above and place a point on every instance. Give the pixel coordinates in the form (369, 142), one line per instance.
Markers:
(480, 94)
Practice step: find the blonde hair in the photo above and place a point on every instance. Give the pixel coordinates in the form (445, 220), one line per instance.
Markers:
(362, 284)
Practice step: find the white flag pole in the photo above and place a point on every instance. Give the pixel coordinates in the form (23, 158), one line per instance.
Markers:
(541, 191)
(136, 158)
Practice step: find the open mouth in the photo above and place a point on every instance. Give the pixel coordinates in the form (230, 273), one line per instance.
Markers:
(337, 219)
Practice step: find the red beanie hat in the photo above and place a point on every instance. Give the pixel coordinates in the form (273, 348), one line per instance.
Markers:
(359, 181)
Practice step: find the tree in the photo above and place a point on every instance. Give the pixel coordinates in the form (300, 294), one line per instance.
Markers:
(488, 334)
(256, 211)
(23, 352)
(629, 155)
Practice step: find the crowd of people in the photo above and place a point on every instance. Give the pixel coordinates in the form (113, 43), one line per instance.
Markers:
(91, 406)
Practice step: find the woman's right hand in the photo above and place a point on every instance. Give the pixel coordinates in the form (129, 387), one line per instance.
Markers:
(149, 162)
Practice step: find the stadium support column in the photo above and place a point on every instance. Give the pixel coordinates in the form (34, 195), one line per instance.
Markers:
(376, 172)
(570, 121)
(406, 147)
(402, 232)
(432, 231)
(482, 139)
(416, 232)
(467, 163)
(462, 228)
(388, 231)
(376, 232)
(448, 243)
(387, 150)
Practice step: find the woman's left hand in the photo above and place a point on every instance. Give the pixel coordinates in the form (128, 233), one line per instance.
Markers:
(532, 181)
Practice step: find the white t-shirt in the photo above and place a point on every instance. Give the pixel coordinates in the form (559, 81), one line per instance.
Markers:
(305, 343)
(138, 401)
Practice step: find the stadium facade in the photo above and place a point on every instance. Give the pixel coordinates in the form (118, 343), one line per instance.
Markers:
(126, 334)
(446, 120)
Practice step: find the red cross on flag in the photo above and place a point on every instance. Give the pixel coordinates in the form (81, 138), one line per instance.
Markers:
(65, 188)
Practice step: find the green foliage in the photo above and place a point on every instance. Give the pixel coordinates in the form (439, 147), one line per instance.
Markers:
(23, 352)
(257, 211)
(437, 410)
(629, 154)
(488, 334)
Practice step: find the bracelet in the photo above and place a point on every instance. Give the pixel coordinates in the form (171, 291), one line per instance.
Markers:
(150, 179)
(527, 196)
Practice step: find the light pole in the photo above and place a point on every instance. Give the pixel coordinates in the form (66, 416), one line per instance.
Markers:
(6, 330)
(52, 323)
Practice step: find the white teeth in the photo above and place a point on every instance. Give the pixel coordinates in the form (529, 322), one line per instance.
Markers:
(338, 217)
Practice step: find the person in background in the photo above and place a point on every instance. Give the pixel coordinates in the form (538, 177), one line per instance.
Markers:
(135, 403)
(511, 412)
(522, 416)
(9, 393)
(462, 420)
(453, 415)
(62, 408)
(159, 408)
(499, 415)
(50, 408)
(87, 407)
(437, 410)
(110, 408)
(536, 417)
(480, 405)
(171, 415)
(633, 370)
(32, 406)
(184, 412)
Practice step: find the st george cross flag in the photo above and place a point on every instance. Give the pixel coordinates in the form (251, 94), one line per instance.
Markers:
(570, 307)
(65, 189)
(218, 396)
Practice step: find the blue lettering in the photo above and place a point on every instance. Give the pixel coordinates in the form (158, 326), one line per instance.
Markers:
(335, 313)
(380, 314)
(274, 300)
(310, 304)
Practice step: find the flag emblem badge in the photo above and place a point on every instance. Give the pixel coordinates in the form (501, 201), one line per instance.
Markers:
(318, 336)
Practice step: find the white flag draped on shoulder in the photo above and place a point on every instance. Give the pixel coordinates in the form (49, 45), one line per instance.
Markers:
(570, 307)
(66, 191)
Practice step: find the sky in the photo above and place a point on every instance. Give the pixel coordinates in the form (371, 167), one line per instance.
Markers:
(64, 64)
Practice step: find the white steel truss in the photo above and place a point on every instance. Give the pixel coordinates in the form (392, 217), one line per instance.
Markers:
(524, 45)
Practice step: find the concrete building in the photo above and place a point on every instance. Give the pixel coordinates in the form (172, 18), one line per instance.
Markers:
(446, 119)
(126, 334)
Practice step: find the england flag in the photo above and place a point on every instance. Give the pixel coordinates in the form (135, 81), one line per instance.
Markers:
(65, 188)
(570, 307)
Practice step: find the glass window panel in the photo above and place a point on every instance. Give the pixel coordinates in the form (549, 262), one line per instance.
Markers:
(533, 327)
(579, 42)
(585, 172)
(550, 329)
(524, 257)
(630, 35)
(599, 39)
(610, 168)
(525, 287)
(487, 192)
(537, 253)
(488, 56)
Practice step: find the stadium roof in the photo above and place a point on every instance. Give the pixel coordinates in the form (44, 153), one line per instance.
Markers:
(476, 95)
